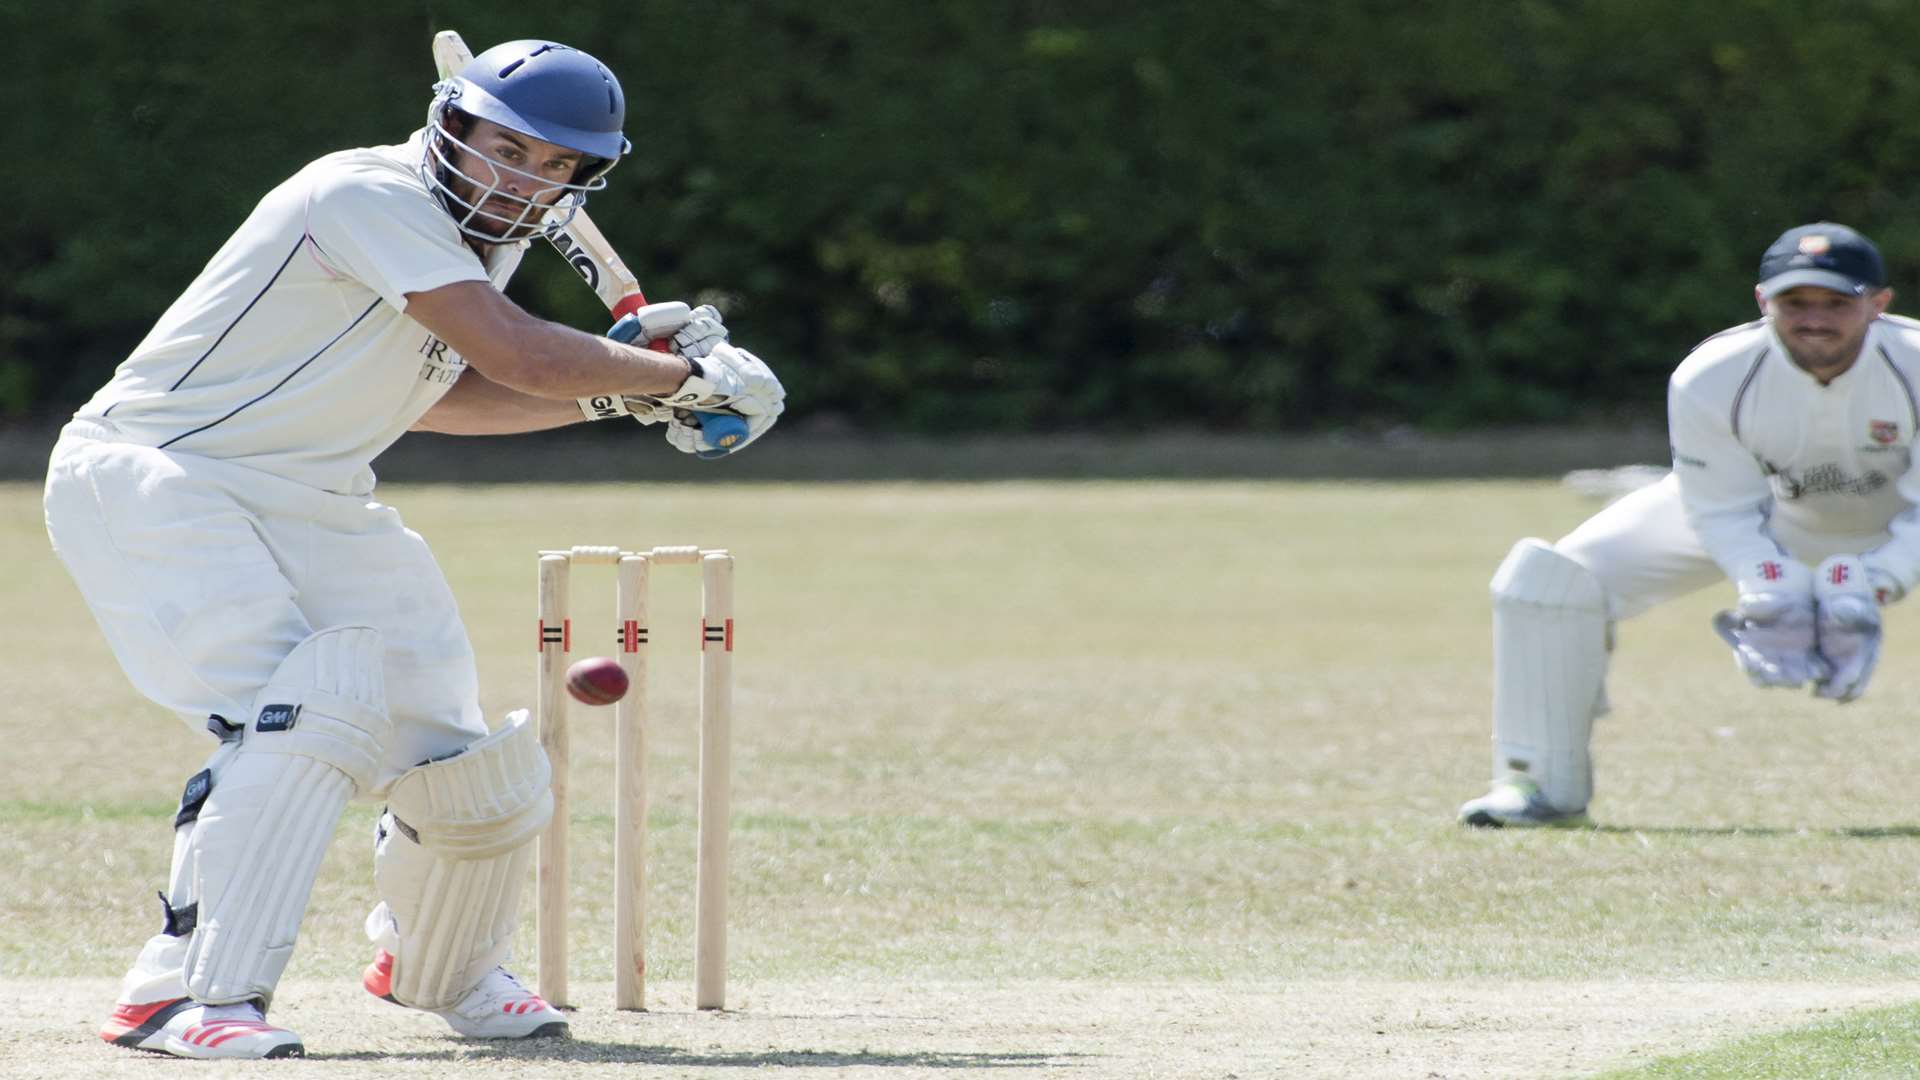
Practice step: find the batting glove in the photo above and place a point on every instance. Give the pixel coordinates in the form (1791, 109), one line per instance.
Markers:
(736, 382)
(680, 330)
(692, 333)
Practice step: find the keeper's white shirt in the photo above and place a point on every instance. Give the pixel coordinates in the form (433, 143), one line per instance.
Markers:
(1762, 449)
(291, 353)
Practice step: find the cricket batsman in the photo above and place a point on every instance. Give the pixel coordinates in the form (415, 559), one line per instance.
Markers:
(214, 503)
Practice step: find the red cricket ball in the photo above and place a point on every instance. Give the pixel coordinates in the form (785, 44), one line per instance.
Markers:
(597, 680)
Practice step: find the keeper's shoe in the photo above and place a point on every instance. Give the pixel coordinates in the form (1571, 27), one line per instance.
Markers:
(499, 1008)
(185, 1028)
(1518, 803)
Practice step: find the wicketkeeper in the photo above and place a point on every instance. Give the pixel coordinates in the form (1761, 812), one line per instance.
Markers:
(1792, 477)
(214, 504)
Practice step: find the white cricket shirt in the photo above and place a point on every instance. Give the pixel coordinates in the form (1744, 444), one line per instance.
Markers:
(1755, 438)
(291, 353)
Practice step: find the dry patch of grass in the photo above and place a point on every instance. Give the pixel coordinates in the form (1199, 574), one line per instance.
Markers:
(920, 1031)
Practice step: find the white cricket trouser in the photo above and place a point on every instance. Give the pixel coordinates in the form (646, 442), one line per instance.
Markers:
(1644, 553)
(1550, 634)
(204, 574)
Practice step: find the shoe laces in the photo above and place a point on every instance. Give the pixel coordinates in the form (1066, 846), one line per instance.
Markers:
(498, 988)
(241, 1010)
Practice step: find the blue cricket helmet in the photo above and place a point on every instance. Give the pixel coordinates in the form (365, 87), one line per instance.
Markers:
(549, 91)
(541, 89)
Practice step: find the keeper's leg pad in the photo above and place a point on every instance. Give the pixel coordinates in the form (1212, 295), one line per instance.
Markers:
(317, 735)
(450, 858)
(1550, 642)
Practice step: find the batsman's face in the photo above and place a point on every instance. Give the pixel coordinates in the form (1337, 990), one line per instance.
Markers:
(502, 171)
(1822, 329)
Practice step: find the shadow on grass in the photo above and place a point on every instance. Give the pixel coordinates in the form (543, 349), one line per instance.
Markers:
(1874, 832)
(580, 1050)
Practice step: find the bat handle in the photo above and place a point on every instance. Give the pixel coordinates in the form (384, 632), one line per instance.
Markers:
(628, 304)
(724, 431)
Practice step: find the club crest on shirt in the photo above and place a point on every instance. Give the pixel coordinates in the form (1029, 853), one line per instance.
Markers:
(1884, 432)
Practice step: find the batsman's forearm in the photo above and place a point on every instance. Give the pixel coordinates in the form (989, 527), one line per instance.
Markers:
(556, 361)
(545, 359)
(476, 405)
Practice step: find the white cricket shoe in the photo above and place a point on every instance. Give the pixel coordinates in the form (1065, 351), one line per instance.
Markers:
(1518, 803)
(499, 1008)
(185, 1028)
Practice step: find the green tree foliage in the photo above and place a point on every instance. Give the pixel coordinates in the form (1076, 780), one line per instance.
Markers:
(979, 215)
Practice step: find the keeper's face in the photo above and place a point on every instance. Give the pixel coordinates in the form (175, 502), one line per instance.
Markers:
(1822, 329)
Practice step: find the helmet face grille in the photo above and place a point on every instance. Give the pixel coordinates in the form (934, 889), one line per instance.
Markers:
(542, 90)
(544, 212)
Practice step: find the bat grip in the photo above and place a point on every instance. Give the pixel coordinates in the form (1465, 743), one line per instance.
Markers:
(628, 304)
(626, 325)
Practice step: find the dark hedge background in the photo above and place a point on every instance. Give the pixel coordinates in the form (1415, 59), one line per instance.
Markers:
(946, 216)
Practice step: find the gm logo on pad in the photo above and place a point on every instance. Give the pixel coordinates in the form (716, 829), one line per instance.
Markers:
(277, 718)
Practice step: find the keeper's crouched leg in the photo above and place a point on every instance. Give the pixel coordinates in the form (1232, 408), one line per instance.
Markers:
(1550, 644)
(450, 858)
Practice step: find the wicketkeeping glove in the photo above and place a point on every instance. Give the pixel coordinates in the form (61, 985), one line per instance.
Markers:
(1847, 625)
(1772, 628)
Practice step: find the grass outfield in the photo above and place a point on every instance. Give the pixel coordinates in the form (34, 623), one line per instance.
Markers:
(1126, 745)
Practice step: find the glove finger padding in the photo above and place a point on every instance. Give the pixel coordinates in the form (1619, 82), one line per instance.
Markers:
(1772, 628)
(1848, 627)
(732, 378)
(759, 391)
(737, 382)
(659, 321)
(692, 332)
(702, 332)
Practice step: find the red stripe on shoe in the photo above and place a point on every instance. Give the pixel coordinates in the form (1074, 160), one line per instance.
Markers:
(132, 1024)
(378, 978)
(215, 1032)
(235, 1031)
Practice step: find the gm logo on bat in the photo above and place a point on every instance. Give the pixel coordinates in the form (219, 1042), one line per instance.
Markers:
(577, 257)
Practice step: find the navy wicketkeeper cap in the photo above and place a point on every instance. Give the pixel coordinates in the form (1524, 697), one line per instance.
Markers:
(1823, 254)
